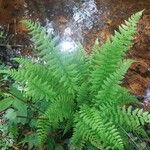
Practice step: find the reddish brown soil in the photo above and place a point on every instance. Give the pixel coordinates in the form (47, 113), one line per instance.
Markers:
(138, 77)
(10, 10)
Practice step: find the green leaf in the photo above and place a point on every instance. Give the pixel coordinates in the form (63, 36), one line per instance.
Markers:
(59, 147)
(50, 143)
(11, 115)
(21, 110)
(31, 139)
(5, 103)
(13, 130)
(17, 93)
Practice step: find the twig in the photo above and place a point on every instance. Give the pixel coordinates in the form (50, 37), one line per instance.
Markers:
(12, 46)
(15, 30)
(27, 103)
(24, 101)
(31, 117)
(130, 138)
(141, 140)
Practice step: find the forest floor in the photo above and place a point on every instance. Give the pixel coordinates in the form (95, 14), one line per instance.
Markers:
(108, 14)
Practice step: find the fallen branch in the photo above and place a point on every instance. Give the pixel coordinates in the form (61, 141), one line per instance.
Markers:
(26, 117)
(11, 46)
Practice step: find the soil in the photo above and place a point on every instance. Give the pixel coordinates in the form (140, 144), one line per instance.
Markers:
(111, 13)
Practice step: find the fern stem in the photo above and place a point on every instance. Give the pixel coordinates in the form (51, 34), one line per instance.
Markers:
(32, 117)
(141, 140)
(14, 96)
(129, 137)
(11, 46)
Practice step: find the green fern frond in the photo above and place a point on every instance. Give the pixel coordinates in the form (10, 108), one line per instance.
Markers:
(123, 96)
(84, 96)
(57, 112)
(91, 118)
(107, 58)
(129, 119)
(140, 131)
(80, 59)
(113, 80)
(48, 51)
(117, 116)
(43, 129)
(68, 125)
(143, 116)
(37, 82)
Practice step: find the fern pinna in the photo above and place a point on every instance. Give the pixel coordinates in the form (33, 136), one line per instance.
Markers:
(83, 92)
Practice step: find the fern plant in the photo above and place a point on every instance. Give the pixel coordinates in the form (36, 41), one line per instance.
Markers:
(82, 92)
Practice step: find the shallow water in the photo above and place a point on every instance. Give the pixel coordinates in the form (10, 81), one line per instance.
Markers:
(73, 26)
